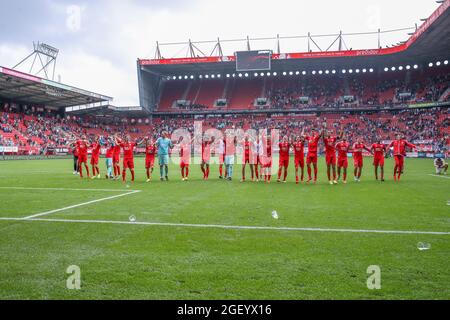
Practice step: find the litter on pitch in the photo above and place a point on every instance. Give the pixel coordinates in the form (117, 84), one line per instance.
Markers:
(275, 215)
(132, 219)
(422, 246)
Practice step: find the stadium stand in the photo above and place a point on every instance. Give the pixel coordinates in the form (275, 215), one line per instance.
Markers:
(36, 131)
(286, 92)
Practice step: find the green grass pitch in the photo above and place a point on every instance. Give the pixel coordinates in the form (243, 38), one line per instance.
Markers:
(138, 261)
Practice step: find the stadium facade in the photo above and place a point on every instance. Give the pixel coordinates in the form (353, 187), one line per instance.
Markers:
(427, 46)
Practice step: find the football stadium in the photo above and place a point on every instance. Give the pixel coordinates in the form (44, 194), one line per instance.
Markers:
(257, 174)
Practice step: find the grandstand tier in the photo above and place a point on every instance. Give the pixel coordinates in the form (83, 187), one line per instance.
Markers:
(371, 77)
(37, 131)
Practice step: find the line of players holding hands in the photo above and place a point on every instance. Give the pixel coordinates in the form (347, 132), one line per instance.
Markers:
(257, 154)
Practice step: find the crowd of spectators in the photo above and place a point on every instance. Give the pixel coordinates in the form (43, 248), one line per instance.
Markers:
(47, 130)
(360, 92)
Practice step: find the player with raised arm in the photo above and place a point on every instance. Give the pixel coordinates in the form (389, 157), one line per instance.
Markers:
(343, 149)
(75, 159)
(399, 145)
(257, 153)
(164, 144)
(82, 145)
(299, 157)
(357, 150)
(284, 146)
(116, 161)
(95, 157)
(150, 153)
(230, 151)
(311, 157)
(329, 141)
(379, 151)
(128, 157)
(109, 159)
(247, 159)
(257, 149)
(266, 158)
(185, 157)
(206, 156)
(220, 150)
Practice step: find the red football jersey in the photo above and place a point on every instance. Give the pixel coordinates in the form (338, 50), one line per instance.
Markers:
(110, 152)
(284, 150)
(82, 147)
(358, 149)
(299, 149)
(400, 147)
(128, 149)
(379, 150)
(330, 145)
(150, 150)
(269, 150)
(206, 150)
(313, 142)
(117, 151)
(247, 148)
(96, 150)
(342, 149)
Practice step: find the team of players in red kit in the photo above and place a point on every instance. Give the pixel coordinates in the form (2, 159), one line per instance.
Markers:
(337, 144)
(114, 147)
(257, 154)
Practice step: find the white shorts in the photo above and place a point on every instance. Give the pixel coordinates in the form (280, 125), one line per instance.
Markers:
(229, 160)
(439, 170)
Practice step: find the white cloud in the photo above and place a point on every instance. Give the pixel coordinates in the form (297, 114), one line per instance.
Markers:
(11, 54)
(86, 71)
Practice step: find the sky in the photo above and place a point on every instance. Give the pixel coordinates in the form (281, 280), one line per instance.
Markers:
(100, 40)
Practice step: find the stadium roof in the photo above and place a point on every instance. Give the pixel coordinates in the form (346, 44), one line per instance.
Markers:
(28, 89)
(107, 110)
(429, 41)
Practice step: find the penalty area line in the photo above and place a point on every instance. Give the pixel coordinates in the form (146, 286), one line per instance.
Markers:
(215, 226)
(79, 205)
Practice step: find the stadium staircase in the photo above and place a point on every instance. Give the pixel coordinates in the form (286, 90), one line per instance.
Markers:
(445, 96)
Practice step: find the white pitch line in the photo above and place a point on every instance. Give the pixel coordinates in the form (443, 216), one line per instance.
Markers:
(216, 226)
(79, 205)
(63, 189)
(438, 176)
